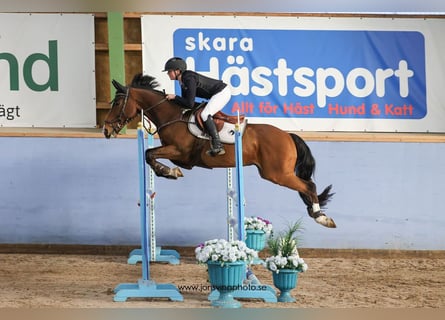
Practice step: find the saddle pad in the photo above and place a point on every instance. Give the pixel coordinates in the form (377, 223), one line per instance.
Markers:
(226, 134)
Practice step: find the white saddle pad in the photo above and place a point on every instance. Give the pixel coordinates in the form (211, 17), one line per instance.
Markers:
(227, 133)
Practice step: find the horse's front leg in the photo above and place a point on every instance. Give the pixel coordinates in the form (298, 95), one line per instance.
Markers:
(161, 170)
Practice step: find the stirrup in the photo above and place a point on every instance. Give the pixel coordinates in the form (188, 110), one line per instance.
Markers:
(216, 152)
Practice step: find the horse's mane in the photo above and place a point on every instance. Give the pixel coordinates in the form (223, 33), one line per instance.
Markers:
(149, 83)
(144, 82)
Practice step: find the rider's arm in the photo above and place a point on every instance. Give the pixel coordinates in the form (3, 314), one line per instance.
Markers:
(188, 91)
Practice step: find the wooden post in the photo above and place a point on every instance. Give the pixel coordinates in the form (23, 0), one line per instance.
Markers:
(115, 22)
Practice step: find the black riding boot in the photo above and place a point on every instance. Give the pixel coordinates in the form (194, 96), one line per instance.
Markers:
(216, 147)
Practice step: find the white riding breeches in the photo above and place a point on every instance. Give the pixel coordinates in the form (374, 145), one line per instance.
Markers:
(216, 103)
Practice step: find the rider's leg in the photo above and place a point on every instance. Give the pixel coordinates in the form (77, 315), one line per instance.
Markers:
(216, 103)
(216, 147)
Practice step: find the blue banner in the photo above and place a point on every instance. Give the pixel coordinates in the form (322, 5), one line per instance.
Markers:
(312, 73)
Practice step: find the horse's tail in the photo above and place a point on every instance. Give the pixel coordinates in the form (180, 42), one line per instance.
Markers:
(305, 168)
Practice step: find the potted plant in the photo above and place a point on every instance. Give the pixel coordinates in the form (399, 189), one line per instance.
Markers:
(226, 264)
(285, 262)
(257, 230)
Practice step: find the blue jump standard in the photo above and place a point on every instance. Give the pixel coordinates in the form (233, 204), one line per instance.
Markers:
(145, 287)
(162, 255)
(247, 291)
(257, 261)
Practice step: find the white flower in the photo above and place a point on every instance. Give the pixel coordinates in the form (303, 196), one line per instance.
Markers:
(224, 251)
(274, 263)
(257, 223)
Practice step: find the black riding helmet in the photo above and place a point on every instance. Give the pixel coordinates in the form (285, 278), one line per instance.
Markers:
(175, 63)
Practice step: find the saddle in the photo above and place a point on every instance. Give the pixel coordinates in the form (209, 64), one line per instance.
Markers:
(219, 118)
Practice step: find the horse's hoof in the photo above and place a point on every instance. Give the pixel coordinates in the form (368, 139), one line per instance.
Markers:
(325, 221)
(177, 172)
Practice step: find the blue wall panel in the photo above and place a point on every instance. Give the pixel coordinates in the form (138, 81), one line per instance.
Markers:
(85, 191)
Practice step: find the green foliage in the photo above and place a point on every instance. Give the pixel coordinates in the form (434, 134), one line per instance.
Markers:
(286, 242)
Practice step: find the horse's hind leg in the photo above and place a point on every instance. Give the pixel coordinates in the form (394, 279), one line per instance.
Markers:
(160, 169)
(307, 191)
(315, 209)
(314, 203)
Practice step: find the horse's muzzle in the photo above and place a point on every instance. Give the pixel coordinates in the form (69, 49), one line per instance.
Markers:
(106, 133)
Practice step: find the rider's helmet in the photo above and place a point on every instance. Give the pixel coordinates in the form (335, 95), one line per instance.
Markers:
(175, 63)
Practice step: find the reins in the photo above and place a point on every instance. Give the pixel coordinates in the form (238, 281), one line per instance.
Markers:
(161, 126)
(153, 106)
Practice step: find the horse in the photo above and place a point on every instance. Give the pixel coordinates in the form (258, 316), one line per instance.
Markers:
(282, 158)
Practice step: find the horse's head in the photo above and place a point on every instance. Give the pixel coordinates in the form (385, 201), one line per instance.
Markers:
(122, 111)
(128, 101)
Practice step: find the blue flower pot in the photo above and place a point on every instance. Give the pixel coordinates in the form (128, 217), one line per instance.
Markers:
(226, 279)
(285, 281)
(256, 239)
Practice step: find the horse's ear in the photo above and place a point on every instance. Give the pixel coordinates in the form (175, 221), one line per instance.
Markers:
(118, 86)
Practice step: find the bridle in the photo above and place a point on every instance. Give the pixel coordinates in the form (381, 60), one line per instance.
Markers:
(121, 120)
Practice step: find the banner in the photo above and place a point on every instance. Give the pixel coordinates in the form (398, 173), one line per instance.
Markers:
(47, 70)
(314, 73)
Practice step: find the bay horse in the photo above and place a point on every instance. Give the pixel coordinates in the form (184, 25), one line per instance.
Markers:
(280, 157)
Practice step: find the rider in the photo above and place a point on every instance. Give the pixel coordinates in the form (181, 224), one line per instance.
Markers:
(194, 85)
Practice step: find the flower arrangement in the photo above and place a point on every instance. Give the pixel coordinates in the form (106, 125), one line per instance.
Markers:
(220, 250)
(257, 223)
(284, 251)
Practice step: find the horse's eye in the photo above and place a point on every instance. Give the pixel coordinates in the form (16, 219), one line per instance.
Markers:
(114, 103)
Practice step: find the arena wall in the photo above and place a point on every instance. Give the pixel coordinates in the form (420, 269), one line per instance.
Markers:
(85, 191)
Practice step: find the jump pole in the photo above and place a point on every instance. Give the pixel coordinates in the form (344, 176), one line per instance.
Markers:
(239, 172)
(145, 287)
(249, 291)
(157, 254)
(238, 194)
